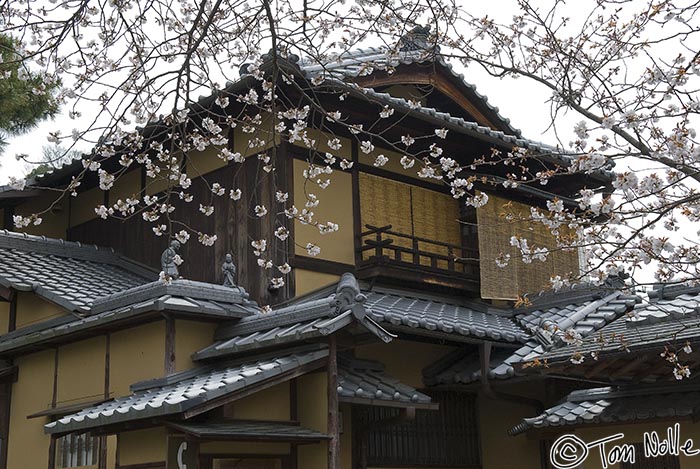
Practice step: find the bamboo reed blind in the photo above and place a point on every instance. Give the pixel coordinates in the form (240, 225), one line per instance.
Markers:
(410, 210)
(498, 221)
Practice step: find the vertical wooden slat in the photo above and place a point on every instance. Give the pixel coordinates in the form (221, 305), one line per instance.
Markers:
(446, 437)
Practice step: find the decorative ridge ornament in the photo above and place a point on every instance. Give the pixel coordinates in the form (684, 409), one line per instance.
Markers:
(418, 39)
(169, 261)
(229, 270)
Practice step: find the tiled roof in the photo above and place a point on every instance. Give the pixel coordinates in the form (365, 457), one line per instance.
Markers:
(296, 332)
(425, 314)
(464, 367)
(183, 297)
(584, 311)
(673, 316)
(361, 62)
(342, 69)
(391, 309)
(616, 405)
(183, 392)
(244, 430)
(69, 274)
(360, 380)
(298, 322)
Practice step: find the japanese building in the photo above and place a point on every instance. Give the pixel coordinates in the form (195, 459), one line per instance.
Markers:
(399, 345)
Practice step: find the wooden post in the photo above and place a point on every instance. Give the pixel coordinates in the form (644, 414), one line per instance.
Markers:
(169, 345)
(52, 453)
(102, 462)
(333, 429)
(12, 321)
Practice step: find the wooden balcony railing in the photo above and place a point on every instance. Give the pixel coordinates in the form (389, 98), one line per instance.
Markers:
(382, 246)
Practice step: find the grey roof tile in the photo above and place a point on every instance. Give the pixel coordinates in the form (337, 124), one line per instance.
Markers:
(358, 380)
(195, 388)
(69, 274)
(412, 310)
(367, 380)
(397, 310)
(611, 405)
(671, 317)
(160, 300)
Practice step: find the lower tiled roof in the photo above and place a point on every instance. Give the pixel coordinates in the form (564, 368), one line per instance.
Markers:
(360, 380)
(464, 367)
(616, 405)
(183, 392)
(672, 317)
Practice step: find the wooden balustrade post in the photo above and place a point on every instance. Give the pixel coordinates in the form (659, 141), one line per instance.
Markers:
(379, 249)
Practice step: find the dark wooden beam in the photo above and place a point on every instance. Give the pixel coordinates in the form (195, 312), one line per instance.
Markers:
(633, 364)
(333, 427)
(7, 220)
(169, 356)
(148, 465)
(52, 453)
(596, 369)
(12, 319)
(320, 265)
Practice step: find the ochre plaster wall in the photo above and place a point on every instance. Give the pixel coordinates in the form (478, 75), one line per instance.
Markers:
(394, 164)
(143, 446)
(127, 186)
(394, 354)
(191, 336)
(498, 449)
(203, 162)
(268, 404)
(136, 354)
(307, 281)
(28, 445)
(81, 371)
(82, 207)
(54, 222)
(312, 399)
(32, 309)
(335, 205)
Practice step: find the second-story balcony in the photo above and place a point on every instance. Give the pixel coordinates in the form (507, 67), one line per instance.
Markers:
(406, 259)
